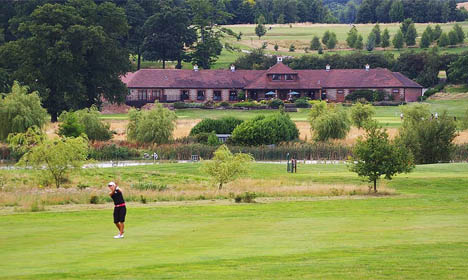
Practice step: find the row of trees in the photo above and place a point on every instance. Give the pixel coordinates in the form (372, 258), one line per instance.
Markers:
(423, 67)
(384, 11)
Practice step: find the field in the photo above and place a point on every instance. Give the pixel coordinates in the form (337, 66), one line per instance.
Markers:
(420, 232)
(300, 34)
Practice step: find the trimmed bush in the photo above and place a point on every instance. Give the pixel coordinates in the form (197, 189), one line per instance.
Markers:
(265, 130)
(275, 103)
(367, 94)
(302, 102)
(220, 126)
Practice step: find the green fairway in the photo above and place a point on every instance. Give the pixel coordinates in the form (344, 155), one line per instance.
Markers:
(421, 233)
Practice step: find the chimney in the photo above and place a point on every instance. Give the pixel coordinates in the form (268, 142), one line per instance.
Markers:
(195, 68)
(233, 68)
(327, 67)
(279, 59)
(367, 67)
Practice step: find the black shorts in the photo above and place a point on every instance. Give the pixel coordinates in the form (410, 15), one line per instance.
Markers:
(119, 214)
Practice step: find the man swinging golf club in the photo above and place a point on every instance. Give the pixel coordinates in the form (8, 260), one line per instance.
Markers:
(119, 208)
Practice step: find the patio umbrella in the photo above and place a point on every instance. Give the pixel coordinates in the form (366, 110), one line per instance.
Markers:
(294, 93)
(270, 93)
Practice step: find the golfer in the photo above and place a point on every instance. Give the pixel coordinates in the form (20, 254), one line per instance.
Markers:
(119, 208)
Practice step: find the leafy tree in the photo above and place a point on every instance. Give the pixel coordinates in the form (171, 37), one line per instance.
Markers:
(276, 47)
(430, 140)
(87, 121)
(326, 37)
(443, 40)
(411, 35)
(453, 37)
(404, 26)
(430, 32)
(57, 157)
(206, 21)
(73, 54)
(135, 18)
(331, 42)
(70, 126)
(213, 140)
(225, 167)
(315, 43)
(280, 19)
(397, 13)
(398, 40)
(460, 34)
(385, 39)
(20, 111)
(260, 30)
(458, 70)
(426, 39)
(292, 48)
(359, 43)
(265, 130)
(332, 123)
(377, 34)
(21, 142)
(361, 114)
(352, 37)
(167, 35)
(375, 156)
(153, 126)
(436, 33)
(370, 45)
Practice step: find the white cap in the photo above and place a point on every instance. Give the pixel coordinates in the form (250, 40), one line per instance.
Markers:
(111, 184)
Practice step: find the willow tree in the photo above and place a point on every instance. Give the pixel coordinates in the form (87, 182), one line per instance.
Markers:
(20, 110)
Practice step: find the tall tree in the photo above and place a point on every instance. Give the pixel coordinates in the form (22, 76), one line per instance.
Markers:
(207, 15)
(377, 34)
(398, 40)
(352, 37)
(371, 42)
(73, 54)
(260, 30)
(385, 39)
(167, 34)
(135, 18)
(397, 13)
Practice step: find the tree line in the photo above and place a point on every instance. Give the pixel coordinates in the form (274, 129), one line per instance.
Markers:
(423, 67)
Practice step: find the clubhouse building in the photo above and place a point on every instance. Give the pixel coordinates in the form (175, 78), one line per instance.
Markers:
(280, 81)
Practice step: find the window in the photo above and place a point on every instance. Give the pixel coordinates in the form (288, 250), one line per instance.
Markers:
(233, 95)
(217, 95)
(201, 95)
(184, 95)
(142, 94)
(395, 90)
(289, 77)
(276, 77)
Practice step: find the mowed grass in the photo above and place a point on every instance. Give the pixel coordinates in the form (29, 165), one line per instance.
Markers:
(419, 234)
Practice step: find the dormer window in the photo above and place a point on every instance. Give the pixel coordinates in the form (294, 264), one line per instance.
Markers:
(289, 77)
(276, 77)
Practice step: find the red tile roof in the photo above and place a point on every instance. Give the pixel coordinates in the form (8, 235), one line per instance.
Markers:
(258, 79)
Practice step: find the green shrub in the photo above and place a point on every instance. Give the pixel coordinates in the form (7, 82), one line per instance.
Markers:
(224, 125)
(94, 199)
(225, 104)
(247, 197)
(275, 103)
(81, 186)
(142, 199)
(113, 152)
(369, 95)
(246, 104)
(70, 126)
(360, 114)
(265, 130)
(302, 102)
(180, 105)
